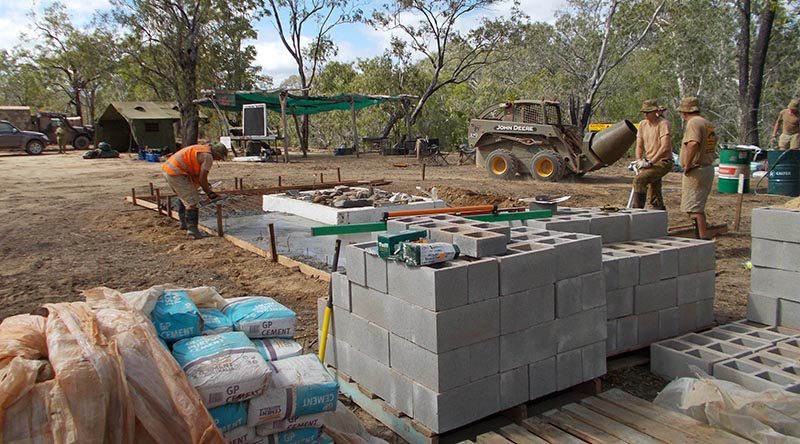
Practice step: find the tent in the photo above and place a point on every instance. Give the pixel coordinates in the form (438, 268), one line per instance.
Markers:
(134, 125)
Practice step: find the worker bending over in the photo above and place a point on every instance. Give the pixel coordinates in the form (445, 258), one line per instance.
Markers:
(653, 157)
(789, 124)
(187, 170)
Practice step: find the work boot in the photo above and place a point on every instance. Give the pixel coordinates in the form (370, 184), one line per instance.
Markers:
(192, 219)
(639, 200)
(182, 214)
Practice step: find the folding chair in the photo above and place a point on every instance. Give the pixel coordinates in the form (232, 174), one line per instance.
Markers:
(466, 154)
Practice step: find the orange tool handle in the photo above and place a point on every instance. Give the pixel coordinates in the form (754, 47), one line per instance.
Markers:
(473, 210)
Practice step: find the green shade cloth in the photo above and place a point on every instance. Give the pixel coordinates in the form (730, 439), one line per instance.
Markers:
(295, 105)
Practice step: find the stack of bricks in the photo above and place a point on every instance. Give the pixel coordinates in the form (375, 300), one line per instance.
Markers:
(753, 355)
(774, 299)
(520, 315)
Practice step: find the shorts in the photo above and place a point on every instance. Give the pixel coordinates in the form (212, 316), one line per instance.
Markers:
(789, 141)
(695, 187)
(184, 188)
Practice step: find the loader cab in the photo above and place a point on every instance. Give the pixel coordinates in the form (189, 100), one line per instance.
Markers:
(538, 112)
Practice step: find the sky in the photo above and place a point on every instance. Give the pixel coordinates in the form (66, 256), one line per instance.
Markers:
(353, 40)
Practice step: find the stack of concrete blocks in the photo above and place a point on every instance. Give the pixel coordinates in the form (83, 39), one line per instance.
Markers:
(753, 355)
(626, 224)
(774, 297)
(520, 315)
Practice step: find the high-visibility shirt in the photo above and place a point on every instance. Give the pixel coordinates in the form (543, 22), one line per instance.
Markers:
(185, 163)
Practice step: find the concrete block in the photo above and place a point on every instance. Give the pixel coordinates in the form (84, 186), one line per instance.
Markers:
(620, 268)
(791, 344)
(484, 359)
(776, 224)
(776, 283)
(699, 256)
(627, 332)
(368, 372)
(527, 308)
(526, 266)
(542, 378)
(373, 305)
(526, 346)
(480, 243)
(505, 230)
(593, 360)
(646, 224)
(581, 329)
(672, 358)
(563, 223)
(337, 353)
(687, 318)
(576, 254)
(649, 262)
(362, 335)
(668, 323)
(446, 233)
(439, 372)
(514, 387)
(376, 270)
(568, 296)
(434, 287)
(668, 254)
(401, 393)
(442, 412)
(696, 286)
(568, 211)
(752, 344)
(655, 296)
(593, 290)
(483, 278)
(611, 336)
(789, 313)
(773, 358)
(569, 369)
(619, 302)
(648, 328)
(404, 223)
(771, 335)
(775, 254)
(705, 313)
(341, 290)
(754, 377)
(355, 262)
(612, 227)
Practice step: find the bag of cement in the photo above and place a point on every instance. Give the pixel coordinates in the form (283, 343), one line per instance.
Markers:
(299, 436)
(241, 435)
(275, 349)
(215, 321)
(418, 254)
(175, 316)
(295, 422)
(224, 368)
(300, 386)
(260, 317)
(229, 416)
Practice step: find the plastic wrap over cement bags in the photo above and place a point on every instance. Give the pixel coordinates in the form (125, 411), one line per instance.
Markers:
(771, 416)
(300, 386)
(276, 349)
(215, 321)
(145, 300)
(295, 422)
(260, 317)
(241, 435)
(224, 368)
(176, 317)
(229, 416)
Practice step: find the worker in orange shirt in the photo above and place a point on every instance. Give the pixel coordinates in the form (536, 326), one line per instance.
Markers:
(187, 170)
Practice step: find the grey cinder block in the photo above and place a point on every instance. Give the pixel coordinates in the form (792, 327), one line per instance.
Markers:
(439, 372)
(530, 345)
(569, 369)
(648, 328)
(434, 287)
(700, 256)
(705, 313)
(568, 296)
(775, 254)
(480, 243)
(362, 335)
(620, 268)
(542, 378)
(593, 290)
(369, 373)
(521, 310)
(776, 224)
(619, 303)
(340, 286)
(776, 283)
(442, 412)
(505, 230)
(752, 344)
(526, 266)
(593, 360)
(789, 313)
(754, 377)
(400, 393)
(582, 328)
(646, 224)
(514, 387)
(696, 286)
(355, 262)
(376, 270)
(447, 233)
(576, 254)
(627, 332)
(612, 227)
(484, 359)
(655, 296)
(672, 358)
(563, 223)
(668, 323)
(483, 278)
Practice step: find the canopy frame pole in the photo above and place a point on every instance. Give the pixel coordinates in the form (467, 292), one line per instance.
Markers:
(285, 128)
(355, 128)
(224, 122)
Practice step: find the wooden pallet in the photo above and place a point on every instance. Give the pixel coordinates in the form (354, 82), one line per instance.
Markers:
(610, 417)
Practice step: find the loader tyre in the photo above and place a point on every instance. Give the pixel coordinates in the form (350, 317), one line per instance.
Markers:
(81, 142)
(501, 164)
(546, 166)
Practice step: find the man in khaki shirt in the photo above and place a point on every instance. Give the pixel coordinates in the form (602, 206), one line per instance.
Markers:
(789, 124)
(653, 157)
(698, 151)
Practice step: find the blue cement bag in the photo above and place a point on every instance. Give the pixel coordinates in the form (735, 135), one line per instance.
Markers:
(275, 349)
(260, 317)
(215, 321)
(175, 316)
(300, 386)
(229, 416)
(298, 436)
(224, 368)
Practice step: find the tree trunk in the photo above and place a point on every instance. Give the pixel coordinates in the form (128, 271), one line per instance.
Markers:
(189, 121)
(757, 71)
(744, 67)
(76, 97)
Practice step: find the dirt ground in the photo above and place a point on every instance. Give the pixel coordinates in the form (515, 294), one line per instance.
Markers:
(65, 227)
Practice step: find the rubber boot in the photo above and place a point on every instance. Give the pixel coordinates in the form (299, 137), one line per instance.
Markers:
(182, 214)
(192, 219)
(639, 200)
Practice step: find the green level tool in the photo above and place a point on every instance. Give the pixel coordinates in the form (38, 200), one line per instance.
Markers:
(333, 230)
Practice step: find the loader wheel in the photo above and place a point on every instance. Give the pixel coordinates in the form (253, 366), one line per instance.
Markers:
(546, 166)
(81, 143)
(501, 164)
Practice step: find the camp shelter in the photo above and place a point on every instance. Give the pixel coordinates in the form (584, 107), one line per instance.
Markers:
(134, 125)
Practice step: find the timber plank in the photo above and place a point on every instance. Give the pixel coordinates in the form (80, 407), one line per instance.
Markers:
(576, 427)
(551, 434)
(669, 418)
(491, 438)
(608, 425)
(639, 422)
(520, 435)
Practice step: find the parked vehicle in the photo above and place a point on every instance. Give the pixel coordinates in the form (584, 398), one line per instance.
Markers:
(13, 138)
(79, 136)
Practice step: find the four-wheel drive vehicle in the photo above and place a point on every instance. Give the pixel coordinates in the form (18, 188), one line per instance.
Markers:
(532, 137)
(13, 138)
(80, 137)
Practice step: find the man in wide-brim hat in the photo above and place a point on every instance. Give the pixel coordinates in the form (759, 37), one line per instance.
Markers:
(697, 154)
(653, 157)
(789, 124)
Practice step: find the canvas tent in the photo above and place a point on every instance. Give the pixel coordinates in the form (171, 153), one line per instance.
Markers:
(134, 125)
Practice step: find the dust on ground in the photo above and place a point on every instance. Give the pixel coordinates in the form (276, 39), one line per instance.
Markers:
(65, 227)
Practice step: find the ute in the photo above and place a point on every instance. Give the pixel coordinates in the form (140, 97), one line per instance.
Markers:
(532, 137)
